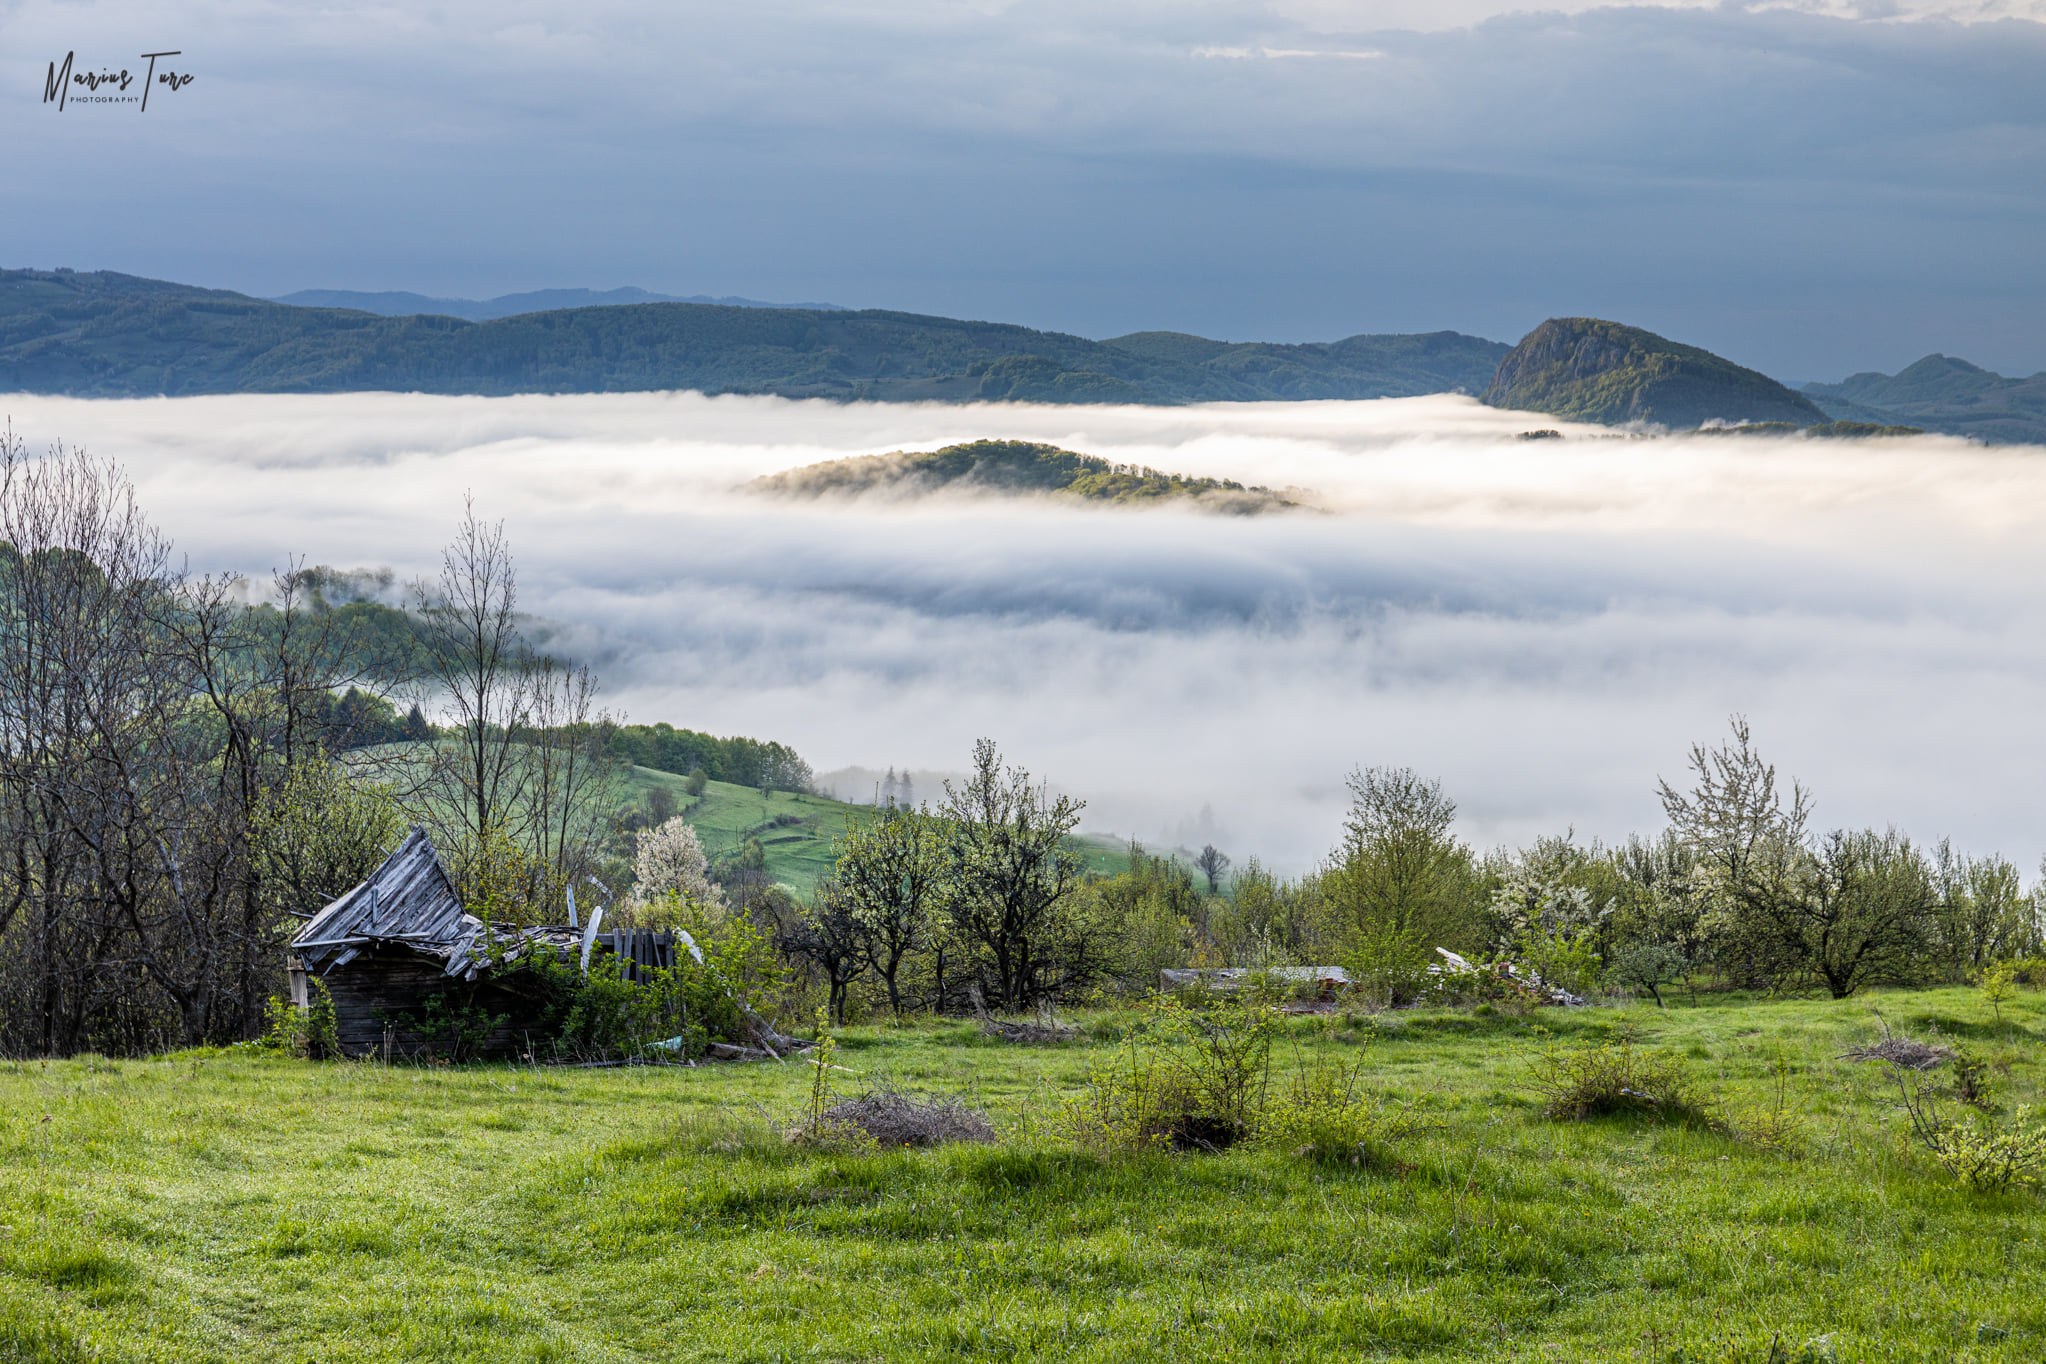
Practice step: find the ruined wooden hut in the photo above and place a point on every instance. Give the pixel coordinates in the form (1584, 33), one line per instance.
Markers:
(398, 954)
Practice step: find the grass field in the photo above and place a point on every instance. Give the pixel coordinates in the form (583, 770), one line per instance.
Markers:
(797, 831)
(237, 1206)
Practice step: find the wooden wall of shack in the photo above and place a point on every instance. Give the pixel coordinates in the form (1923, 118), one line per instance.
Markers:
(392, 985)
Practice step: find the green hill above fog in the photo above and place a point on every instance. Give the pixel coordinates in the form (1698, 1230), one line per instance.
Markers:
(1941, 393)
(1012, 466)
(1585, 369)
(110, 335)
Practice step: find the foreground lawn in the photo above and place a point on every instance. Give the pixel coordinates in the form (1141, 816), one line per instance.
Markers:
(238, 1207)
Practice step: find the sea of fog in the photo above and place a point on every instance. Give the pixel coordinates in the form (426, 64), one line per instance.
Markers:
(1546, 626)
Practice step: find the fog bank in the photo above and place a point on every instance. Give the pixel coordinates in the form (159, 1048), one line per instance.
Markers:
(1544, 625)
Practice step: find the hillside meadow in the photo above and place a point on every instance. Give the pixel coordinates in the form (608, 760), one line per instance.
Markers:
(798, 831)
(224, 1205)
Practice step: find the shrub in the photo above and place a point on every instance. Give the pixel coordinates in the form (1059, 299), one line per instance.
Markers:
(1972, 1084)
(1389, 968)
(2029, 971)
(1322, 1115)
(1774, 1126)
(311, 1032)
(1998, 981)
(1992, 1159)
(1186, 1082)
(1613, 1077)
(1986, 1157)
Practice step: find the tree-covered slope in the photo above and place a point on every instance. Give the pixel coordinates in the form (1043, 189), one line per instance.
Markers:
(1585, 369)
(397, 303)
(1942, 393)
(1012, 466)
(109, 335)
(1397, 366)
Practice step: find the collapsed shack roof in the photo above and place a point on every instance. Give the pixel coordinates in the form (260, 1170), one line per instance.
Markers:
(409, 902)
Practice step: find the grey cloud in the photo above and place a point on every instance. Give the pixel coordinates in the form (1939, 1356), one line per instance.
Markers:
(1810, 192)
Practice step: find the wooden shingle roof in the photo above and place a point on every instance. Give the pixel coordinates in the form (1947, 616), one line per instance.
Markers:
(408, 901)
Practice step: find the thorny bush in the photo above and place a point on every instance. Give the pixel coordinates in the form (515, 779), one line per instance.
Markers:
(1613, 1077)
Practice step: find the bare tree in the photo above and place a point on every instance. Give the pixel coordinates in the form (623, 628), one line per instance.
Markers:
(1212, 863)
(481, 675)
(523, 775)
(827, 935)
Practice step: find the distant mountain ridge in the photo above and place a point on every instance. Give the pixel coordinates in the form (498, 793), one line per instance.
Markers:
(1588, 369)
(103, 334)
(1942, 393)
(394, 303)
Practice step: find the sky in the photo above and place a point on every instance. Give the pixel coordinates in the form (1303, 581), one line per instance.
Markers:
(1812, 188)
(1545, 627)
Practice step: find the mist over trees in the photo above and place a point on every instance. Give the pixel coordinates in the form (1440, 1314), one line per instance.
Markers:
(185, 774)
(1738, 892)
(189, 764)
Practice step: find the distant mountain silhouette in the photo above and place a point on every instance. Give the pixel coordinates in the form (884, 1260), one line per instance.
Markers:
(397, 304)
(1942, 393)
(103, 334)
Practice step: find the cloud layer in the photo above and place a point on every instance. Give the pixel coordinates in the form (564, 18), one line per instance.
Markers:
(1546, 627)
(1812, 187)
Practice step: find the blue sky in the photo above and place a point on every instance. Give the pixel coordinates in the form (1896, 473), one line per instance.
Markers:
(1809, 188)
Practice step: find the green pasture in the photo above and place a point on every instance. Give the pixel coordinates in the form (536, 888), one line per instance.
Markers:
(797, 831)
(240, 1206)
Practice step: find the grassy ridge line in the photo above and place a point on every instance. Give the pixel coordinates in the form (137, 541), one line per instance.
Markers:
(215, 1206)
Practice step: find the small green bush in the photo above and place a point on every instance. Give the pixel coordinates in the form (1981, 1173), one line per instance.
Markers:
(1986, 1156)
(1613, 1078)
(1998, 982)
(1185, 1082)
(312, 1032)
(1993, 1159)
(1322, 1115)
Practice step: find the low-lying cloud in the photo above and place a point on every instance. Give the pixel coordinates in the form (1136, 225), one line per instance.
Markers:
(1546, 626)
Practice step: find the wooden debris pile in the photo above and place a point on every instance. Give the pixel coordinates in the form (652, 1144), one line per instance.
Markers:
(1044, 1030)
(892, 1117)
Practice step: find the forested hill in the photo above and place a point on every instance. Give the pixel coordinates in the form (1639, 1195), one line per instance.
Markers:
(1015, 467)
(1588, 369)
(108, 335)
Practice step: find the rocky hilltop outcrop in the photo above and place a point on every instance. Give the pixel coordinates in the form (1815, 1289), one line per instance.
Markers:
(1589, 370)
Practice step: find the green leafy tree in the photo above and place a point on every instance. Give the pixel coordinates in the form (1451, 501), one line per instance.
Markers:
(1401, 882)
(829, 936)
(1014, 903)
(895, 877)
(1849, 909)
